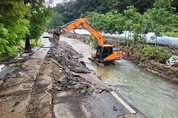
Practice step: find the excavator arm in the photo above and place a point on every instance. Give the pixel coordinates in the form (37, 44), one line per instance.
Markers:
(85, 24)
(104, 52)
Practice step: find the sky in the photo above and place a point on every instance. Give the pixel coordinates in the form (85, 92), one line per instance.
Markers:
(55, 1)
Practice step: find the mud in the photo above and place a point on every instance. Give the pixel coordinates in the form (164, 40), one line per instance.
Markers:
(16, 92)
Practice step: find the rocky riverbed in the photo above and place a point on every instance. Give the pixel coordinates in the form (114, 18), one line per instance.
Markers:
(134, 53)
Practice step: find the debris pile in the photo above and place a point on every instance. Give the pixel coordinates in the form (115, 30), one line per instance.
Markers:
(73, 73)
(172, 61)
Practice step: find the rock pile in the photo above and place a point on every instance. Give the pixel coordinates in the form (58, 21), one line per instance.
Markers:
(163, 70)
(73, 73)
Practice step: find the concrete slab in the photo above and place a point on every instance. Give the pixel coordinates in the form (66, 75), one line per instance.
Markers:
(102, 105)
(6, 71)
(1, 67)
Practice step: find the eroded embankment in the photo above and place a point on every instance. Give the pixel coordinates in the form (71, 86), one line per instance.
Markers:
(135, 54)
(22, 94)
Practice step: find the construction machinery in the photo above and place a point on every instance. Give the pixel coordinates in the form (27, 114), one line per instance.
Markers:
(105, 53)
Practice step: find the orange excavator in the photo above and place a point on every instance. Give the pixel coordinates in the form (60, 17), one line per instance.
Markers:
(105, 53)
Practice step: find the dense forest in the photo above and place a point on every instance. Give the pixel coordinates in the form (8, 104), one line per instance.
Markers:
(73, 9)
(21, 21)
(116, 16)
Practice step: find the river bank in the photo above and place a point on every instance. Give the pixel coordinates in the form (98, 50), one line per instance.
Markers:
(134, 54)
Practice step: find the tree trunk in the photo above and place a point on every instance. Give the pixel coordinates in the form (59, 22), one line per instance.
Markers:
(27, 45)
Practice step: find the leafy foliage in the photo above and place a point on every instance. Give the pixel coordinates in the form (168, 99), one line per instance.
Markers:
(55, 21)
(89, 16)
(156, 53)
(133, 21)
(159, 19)
(3, 40)
(39, 16)
(20, 19)
(14, 26)
(173, 34)
(73, 9)
(68, 10)
(110, 22)
(92, 40)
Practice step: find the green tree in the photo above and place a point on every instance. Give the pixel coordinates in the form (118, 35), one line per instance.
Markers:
(14, 26)
(38, 17)
(89, 16)
(74, 8)
(68, 10)
(111, 22)
(55, 21)
(133, 21)
(92, 41)
(3, 39)
(160, 18)
(98, 21)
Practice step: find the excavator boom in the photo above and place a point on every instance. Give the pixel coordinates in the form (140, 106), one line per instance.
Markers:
(84, 23)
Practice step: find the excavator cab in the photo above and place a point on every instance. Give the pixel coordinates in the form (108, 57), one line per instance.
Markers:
(103, 51)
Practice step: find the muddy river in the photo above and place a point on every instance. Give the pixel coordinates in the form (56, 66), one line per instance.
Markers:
(152, 95)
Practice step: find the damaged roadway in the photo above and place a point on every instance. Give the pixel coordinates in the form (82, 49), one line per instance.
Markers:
(53, 83)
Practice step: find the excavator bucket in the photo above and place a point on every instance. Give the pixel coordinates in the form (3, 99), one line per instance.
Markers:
(93, 55)
(56, 37)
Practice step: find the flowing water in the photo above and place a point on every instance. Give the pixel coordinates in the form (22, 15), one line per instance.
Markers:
(152, 95)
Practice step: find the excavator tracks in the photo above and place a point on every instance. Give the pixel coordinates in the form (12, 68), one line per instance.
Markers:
(97, 63)
(114, 63)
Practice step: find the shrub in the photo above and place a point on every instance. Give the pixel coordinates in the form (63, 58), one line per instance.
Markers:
(157, 53)
(172, 34)
(138, 38)
(92, 40)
